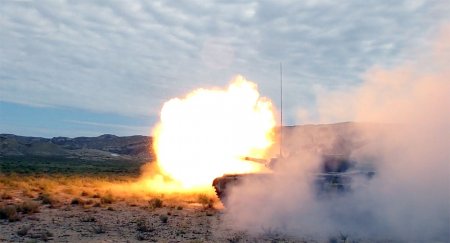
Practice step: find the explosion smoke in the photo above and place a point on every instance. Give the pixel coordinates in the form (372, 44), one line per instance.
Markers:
(205, 134)
(409, 133)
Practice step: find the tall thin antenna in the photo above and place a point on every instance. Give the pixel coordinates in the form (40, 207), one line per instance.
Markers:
(281, 104)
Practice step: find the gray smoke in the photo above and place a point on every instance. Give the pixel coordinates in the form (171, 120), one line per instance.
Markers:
(403, 133)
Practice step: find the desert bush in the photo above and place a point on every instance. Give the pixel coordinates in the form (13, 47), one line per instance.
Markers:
(89, 202)
(142, 236)
(107, 199)
(69, 191)
(142, 225)
(179, 208)
(163, 218)
(23, 231)
(88, 219)
(28, 207)
(99, 229)
(6, 195)
(155, 203)
(43, 235)
(84, 194)
(77, 201)
(47, 199)
(45, 184)
(206, 201)
(10, 213)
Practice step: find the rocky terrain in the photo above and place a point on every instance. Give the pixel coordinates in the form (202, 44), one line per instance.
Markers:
(104, 147)
(91, 209)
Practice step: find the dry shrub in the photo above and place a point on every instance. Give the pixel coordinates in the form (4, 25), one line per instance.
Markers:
(10, 213)
(23, 231)
(28, 207)
(6, 195)
(163, 218)
(46, 184)
(155, 203)
(144, 226)
(28, 193)
(69, 191)
(44, 235)
(77, 201)
(99, 229)
(47, 199)
(206, 201)
(89, 202)
(88, 219)
(107, 199)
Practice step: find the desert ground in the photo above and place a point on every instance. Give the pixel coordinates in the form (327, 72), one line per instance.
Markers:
(84, 205)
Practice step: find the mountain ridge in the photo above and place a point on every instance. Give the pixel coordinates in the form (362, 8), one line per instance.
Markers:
(103, 147)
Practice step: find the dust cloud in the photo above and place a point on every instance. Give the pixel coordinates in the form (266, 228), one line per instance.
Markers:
(402, 132)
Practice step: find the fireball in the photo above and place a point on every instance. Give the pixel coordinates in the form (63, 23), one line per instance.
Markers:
(207, 133)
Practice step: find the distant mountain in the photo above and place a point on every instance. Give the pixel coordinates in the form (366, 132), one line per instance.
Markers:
(338, 138)
(104, 147)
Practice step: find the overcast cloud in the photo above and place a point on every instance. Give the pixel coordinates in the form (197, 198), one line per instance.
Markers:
(128, 57)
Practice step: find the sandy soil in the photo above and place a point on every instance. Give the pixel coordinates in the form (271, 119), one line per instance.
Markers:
(122, 221)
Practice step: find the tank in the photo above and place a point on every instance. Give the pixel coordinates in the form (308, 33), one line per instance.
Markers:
(222, 185)
(334, 177)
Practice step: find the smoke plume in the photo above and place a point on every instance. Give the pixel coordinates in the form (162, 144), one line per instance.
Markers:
(402, 133)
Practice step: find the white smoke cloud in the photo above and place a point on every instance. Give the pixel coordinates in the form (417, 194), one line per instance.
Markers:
(404, 133)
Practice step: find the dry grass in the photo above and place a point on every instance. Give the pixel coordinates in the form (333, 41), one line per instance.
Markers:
(6, 195)
(107, 199)
(77, 201)
(9, 212)
(28, 207)
(163, 218)
(142, 225)
(207, 202)
(155, 203)
(57, 191)
(48, 199)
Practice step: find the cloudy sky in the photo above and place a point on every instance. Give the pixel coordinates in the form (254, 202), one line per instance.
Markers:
(84, 68)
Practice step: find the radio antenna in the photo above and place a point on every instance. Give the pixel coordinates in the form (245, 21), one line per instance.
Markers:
(281, 106)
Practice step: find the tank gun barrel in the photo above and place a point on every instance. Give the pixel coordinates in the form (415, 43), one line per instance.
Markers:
(257, 160)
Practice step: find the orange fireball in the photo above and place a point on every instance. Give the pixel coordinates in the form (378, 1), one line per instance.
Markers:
(205, 134)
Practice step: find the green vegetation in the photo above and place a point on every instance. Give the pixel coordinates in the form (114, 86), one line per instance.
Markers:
(55, 165)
